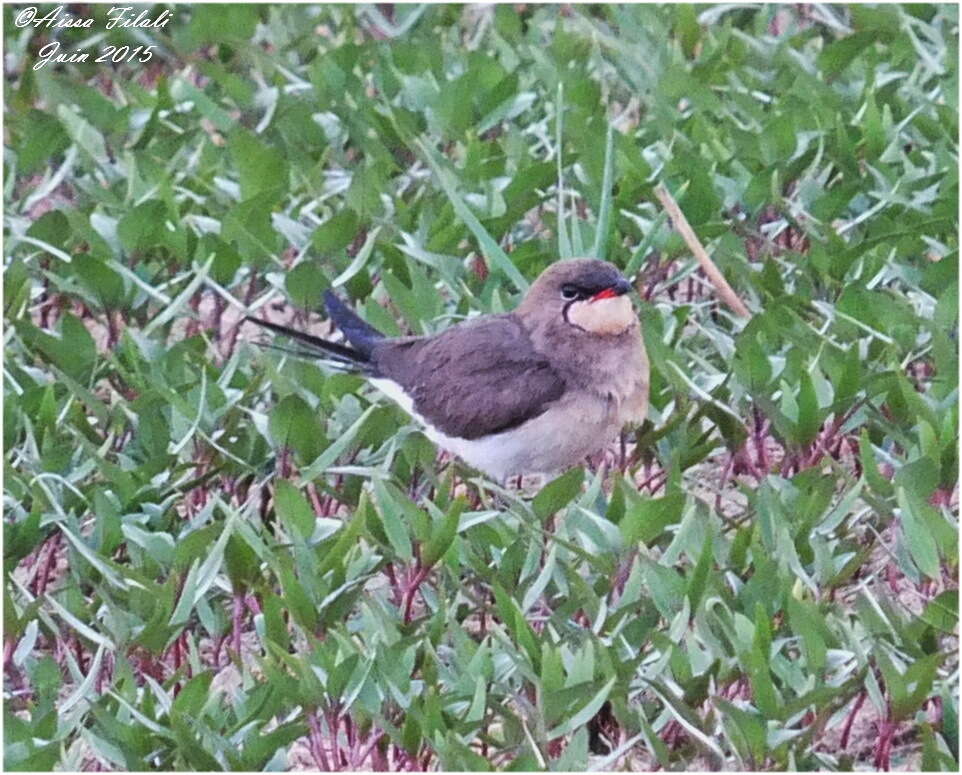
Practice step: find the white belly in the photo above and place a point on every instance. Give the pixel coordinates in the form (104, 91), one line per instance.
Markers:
(543, 445)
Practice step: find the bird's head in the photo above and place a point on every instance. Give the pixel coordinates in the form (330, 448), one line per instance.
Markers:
(585, 293)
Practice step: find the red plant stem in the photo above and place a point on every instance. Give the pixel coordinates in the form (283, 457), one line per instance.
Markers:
(842, 442)
(851, 718)
(236, 623)
(44, 578)
(891, 575)
(886, 734)
(379, 759)
(113, 332)
(319, 510)
(330, 506)
(317, 745)
(193, 326)
(265, 501)
(372, 740)
(392, 577)
(216, 321)
(333, 721)
(8, 649)
(760, 440)
(102, 675)
(178, 656)
(649, 481)
(218, 645)
(671, 734)
(411, 590)
(79, 651)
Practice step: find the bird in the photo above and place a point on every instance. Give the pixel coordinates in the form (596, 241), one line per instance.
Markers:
(533, 391)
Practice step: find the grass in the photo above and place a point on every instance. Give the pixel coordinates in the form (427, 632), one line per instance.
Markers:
(217, 556)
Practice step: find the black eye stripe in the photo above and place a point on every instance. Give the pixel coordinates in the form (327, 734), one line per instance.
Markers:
(589, 284)
(564, 314)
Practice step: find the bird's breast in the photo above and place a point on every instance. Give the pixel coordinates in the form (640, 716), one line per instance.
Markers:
(622, 379)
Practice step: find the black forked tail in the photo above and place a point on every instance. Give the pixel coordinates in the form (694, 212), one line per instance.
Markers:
(335, 354)
(360, 334)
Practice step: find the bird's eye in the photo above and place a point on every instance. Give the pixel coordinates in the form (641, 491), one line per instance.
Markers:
(570, 292)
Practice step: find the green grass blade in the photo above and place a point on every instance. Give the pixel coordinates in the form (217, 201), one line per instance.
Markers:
(564, 243)
(577, 242)
(634, 263)
(603, 227)
(492, 250)
(182, 299)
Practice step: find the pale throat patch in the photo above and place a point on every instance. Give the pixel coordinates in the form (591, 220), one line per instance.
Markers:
(604, 316)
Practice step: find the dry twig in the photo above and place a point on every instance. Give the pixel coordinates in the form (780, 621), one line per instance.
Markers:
(687, 233)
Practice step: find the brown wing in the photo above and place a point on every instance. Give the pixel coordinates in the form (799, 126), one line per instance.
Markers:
(474, 379)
